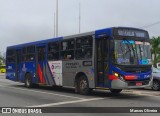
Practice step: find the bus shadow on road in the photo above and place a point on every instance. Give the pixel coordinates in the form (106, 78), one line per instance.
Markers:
(94, 93)
(48, 88)
(121, 95)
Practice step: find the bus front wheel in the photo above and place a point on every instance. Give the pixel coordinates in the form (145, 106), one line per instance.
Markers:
(156, 85)
(28, 81)
(115, 91)
(83, 86)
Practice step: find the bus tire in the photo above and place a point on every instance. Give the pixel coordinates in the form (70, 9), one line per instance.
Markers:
(115, 91)
(156, 85)
(83, 85)
(28, 81)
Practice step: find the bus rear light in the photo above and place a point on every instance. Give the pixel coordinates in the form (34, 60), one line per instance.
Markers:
(130, 77)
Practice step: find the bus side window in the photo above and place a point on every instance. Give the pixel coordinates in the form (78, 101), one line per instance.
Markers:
(31, 53)
(24, 57)
(84, 47)
(28, 54)
(10, 56)
(53, 51)
(67, 49)
(41, 54)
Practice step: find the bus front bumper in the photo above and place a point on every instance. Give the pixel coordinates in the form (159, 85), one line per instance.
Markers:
(119, 84)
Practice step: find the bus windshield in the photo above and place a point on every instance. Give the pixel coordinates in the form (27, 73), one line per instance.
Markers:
(131, 52)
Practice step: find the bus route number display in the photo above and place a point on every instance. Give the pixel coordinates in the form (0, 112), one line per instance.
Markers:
(131, 33)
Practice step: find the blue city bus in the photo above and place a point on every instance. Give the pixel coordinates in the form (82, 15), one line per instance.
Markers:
(112, 58)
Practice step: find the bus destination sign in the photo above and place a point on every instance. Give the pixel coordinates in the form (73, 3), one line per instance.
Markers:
(131, 33)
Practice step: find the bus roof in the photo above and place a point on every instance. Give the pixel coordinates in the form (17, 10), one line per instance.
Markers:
(36, 42)
(106, 31)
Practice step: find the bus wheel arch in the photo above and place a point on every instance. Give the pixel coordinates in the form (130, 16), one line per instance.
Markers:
(82, 84)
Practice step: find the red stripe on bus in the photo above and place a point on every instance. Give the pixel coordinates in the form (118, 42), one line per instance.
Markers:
(40, 74)
(130, 77)
(112, 77)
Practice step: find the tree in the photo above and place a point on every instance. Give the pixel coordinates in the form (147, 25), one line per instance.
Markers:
(155, 49)
(2, 60)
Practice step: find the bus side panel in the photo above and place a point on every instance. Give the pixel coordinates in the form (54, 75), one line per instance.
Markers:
(68, 72)
(72, 68)
(54, 73)
(49, 73)
(41, 72)
(10, 74)
(27, 67)
(20, 73)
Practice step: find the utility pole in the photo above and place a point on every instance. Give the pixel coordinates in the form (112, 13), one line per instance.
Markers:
(57, 18)
(79, 17)
(54, 25)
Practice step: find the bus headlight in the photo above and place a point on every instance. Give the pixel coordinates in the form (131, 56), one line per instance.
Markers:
(118, 76)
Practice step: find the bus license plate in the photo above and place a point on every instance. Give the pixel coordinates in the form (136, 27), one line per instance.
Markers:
(138, 83)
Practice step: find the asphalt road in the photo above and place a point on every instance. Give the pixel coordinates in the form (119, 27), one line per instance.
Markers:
(14, 94)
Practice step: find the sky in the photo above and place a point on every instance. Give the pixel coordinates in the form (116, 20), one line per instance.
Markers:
(24, 21)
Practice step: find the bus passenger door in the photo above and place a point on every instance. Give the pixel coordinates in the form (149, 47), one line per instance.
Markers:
(40, 63)
(17, 67)
(102, 60)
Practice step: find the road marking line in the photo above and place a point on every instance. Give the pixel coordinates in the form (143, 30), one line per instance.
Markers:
(44, 92)
(143, 93)
(146, 94)
(66, 102)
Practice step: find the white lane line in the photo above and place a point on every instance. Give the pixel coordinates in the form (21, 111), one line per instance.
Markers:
(66, 102)
(150, 94)
(36, 91)
(143, 94)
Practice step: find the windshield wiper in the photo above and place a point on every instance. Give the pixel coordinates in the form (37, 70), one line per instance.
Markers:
(129, 50)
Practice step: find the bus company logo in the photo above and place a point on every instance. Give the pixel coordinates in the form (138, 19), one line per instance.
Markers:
(52, 66)
(72, 65)
(9, 67)
(147, 76)
(55, 67)
(138, 71)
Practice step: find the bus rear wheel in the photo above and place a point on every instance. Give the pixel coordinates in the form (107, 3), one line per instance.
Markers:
(115, 91)
(28, 81)
(83, 86)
